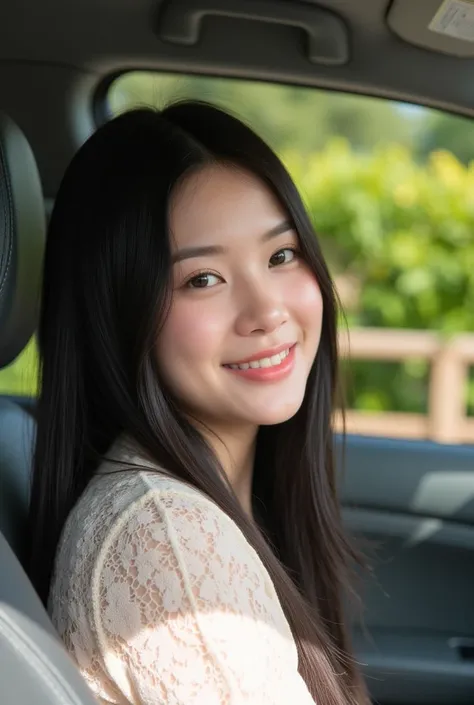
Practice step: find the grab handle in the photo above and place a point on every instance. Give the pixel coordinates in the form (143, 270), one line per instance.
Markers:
(180, 23)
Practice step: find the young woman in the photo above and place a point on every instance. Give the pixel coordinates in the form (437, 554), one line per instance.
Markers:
(185, 529)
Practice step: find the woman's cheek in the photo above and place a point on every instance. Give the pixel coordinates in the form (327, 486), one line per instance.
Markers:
(305, 296)
(192, 331)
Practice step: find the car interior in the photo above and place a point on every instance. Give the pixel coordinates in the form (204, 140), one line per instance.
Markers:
(411, 498)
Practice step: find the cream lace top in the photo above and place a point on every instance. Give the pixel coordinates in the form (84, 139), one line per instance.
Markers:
(160, 600)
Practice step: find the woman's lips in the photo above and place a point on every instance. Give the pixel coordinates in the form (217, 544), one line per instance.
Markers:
(263, 354)
(266, 371)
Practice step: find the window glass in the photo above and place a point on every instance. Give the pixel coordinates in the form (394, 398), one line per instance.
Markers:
(390, 189)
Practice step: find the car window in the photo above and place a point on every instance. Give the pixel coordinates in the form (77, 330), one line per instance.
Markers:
(390, 189)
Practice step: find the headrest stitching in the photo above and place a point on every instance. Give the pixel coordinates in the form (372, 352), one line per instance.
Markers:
(8, 233)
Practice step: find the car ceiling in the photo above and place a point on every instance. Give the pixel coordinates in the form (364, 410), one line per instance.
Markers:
(55, 53)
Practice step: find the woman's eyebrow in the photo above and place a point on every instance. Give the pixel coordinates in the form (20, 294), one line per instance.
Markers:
(203, 250)
(190, 252)
(279, 229)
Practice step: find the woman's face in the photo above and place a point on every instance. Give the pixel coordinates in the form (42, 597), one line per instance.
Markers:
(242, 296)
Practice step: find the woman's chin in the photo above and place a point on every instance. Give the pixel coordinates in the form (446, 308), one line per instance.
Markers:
(276, 414)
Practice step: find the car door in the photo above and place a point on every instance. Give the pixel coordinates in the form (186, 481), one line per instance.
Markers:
(414, 503)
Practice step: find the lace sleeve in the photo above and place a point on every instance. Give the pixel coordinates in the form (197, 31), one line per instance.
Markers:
(185, 612)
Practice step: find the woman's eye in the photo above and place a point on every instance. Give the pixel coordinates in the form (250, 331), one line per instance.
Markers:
(205, 280)
(284, 256)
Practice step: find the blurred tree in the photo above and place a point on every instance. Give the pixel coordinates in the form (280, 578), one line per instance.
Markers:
(405, 233)
(449, 132)
(286, 116)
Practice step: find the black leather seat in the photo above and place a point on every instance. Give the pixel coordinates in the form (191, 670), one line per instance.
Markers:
(34, 666)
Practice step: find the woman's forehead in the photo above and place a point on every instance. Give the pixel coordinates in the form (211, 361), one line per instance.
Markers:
(222, 204)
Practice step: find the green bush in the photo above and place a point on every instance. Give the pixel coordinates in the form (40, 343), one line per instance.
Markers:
(405, 233)
(21, 377)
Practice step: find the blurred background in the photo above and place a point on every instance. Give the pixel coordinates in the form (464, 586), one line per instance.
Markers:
(390, 190)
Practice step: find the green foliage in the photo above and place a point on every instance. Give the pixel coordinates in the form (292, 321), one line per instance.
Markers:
(405, 233)
(20, 378)
(449, 132)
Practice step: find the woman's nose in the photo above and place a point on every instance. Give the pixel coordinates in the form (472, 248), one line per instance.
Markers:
(262, 311)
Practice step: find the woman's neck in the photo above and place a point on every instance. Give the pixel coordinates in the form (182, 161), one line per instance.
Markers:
(235, 449)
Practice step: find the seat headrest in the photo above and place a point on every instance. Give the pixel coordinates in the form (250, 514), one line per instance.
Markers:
(22, 240)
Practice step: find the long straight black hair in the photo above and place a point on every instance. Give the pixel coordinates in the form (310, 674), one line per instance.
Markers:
(106, 292)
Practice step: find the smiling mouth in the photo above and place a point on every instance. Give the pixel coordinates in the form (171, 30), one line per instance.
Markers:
(262, 363)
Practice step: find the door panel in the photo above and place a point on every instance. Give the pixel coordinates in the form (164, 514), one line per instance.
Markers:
(414, 502)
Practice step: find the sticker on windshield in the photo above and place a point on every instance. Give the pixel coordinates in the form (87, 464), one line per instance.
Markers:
(455, 18)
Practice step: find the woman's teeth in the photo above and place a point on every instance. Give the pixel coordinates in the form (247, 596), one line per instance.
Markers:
(264, 362)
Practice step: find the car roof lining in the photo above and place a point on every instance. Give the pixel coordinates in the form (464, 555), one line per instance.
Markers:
(88, 40)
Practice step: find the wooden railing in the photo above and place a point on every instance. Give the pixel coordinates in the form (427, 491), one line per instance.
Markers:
(446, 420)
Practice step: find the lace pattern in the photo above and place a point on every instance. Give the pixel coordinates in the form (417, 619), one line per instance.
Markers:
(160, 600)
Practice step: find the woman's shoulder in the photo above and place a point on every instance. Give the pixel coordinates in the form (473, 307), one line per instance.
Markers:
(156, 515)
(133, 504)
(148, 498)
(129, 492)
(133, 514)
(127, 480)
(124, 481)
